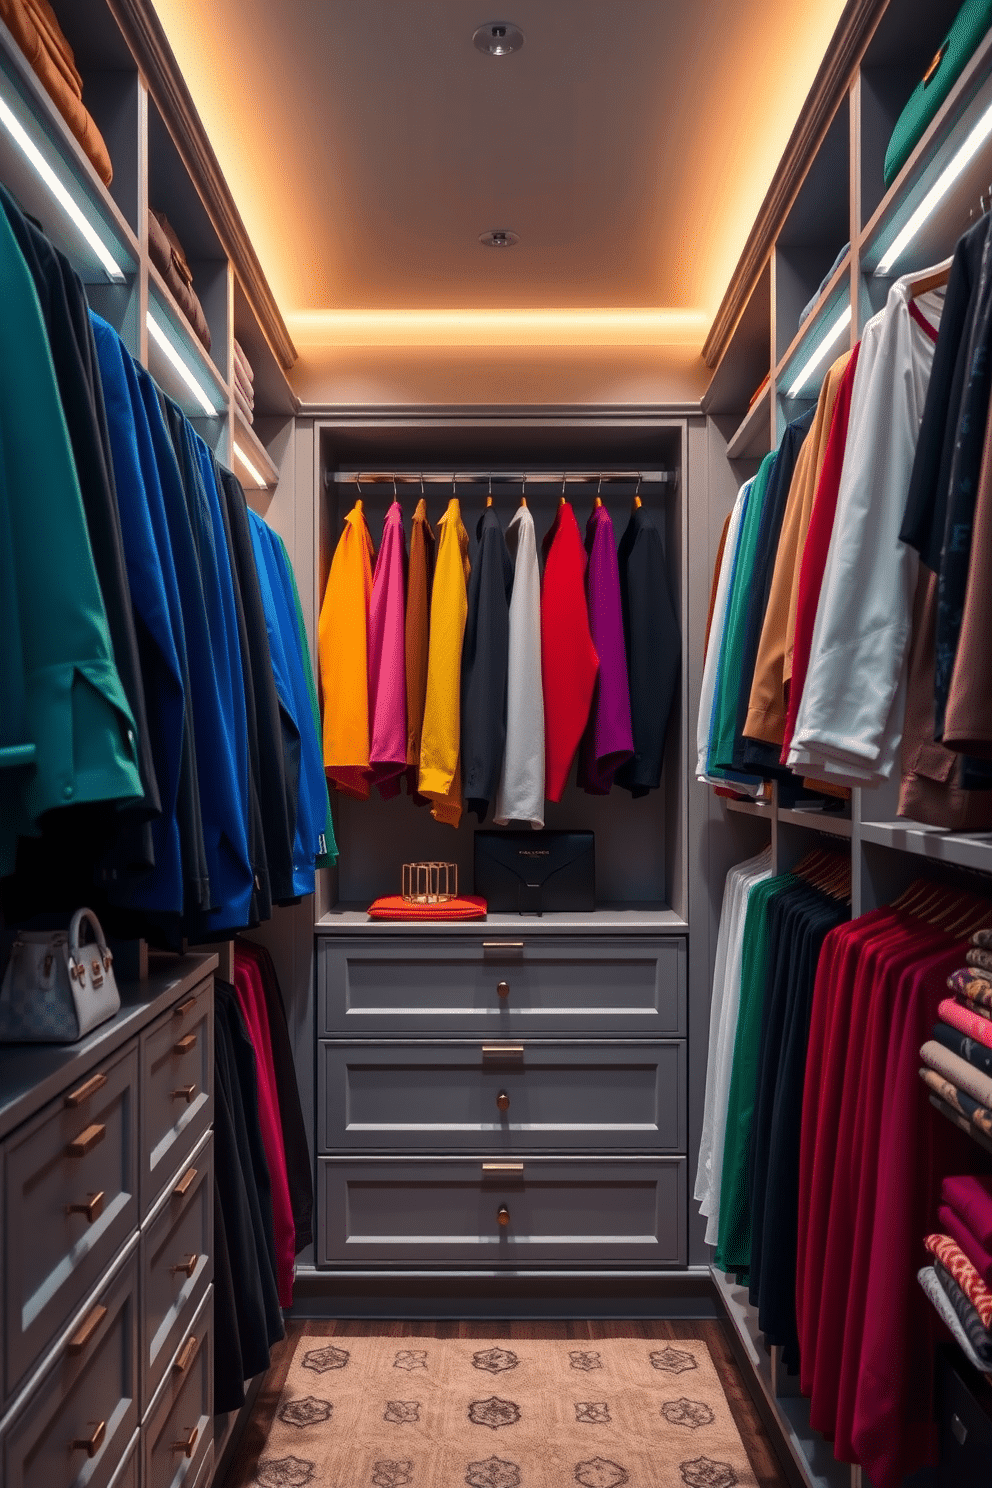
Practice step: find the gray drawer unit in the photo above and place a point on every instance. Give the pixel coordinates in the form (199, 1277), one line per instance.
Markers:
(178, 1430)
(535, 1211)
(177, 1058)
(177, 1248)
(500, 1096)
(497, 986)
(75, 1426)
(129, 1472)
(70, 1204)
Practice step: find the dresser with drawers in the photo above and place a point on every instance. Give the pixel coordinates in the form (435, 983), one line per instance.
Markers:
(508, 1093)
(106, 1246)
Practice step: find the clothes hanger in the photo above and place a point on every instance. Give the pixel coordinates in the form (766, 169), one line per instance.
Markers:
(599, 500)
(638, 503)
(489, 498)
(523, 490)
(929, 279)
(563, 479)
(359, 503)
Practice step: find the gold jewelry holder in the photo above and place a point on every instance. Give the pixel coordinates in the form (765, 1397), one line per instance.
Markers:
(430, 883)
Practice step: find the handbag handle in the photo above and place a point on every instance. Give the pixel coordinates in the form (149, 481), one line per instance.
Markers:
(81, 917)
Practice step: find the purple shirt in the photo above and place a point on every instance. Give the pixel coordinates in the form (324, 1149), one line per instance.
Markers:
(608, 739)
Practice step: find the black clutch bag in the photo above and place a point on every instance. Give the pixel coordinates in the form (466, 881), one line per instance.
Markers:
(536, 872)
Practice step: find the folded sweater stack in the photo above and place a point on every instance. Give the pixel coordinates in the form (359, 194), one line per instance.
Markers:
(244, 385)
(166, 253)
(958, 1281)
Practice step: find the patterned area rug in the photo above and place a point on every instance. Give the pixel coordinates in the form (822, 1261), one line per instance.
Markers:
(439, 1413)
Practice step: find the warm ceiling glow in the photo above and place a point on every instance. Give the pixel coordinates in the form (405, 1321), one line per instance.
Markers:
(498, 328)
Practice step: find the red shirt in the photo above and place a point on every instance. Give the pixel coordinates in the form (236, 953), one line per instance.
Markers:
(569, 663)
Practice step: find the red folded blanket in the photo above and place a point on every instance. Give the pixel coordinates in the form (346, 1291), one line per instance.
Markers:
(970, 1196)
(970, 1244)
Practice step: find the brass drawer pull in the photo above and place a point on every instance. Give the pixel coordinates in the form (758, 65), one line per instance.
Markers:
(186, 1267)
(184, 1358)
(90, 1444)
(502, 1216)
(502, 1101)
(502, 989)
(81, 1338)
(188, 1446)
(502, 945)
(185, 1183)
(185, 1044)
(502, 1167)
(185, 1092)
(87, 1140)
(502, 1051)
(182, 1008)
(93, 1208)
(83, 1092)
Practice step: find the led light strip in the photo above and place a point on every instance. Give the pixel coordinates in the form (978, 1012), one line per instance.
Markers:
(73, 211)
(171, 354)
(239, 454)
(937, 192)
(822, 351)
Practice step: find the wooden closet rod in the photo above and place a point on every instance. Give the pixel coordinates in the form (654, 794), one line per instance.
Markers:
(481, 477)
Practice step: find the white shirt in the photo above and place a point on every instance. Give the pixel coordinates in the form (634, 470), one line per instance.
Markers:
(724, 1010)
(520, 796)
(849, 722)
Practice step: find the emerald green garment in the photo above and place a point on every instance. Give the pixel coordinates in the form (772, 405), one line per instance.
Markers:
(721, 755)
(67, 735)
(734, 1246)
(328, 858)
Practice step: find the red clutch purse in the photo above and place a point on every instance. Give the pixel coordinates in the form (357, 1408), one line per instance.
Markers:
(461, 907)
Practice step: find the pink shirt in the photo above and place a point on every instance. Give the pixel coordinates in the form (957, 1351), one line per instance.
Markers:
(387, 657)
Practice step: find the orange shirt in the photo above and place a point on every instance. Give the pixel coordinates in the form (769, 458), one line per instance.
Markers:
(342, 644)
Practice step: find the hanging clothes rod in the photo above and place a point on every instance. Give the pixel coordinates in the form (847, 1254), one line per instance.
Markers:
(510, 477)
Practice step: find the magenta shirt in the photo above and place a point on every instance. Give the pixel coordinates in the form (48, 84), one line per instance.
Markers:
(387, 657)
(609, 738)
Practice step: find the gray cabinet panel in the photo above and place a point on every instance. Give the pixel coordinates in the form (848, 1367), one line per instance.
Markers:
(456, 1095)
(550, 986)
(71, 1187)
(176, 1266)
(178, 1429)
(177, 1060)
(92, 1381)
(415, 1211)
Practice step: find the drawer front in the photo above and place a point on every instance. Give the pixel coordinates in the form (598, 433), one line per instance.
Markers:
(177, 1070)
(75, 1428)
(502, 1097)
(179, 1428)
(71, 1201)
(129, 1473)
(500, 986)
(177, 1248)
(965, 1427)
(568, 1211)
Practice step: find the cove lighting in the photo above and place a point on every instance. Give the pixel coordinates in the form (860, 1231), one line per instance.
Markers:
(938, 191)
(239, 454)
(69, 205)
(820, 354)
(172, 356)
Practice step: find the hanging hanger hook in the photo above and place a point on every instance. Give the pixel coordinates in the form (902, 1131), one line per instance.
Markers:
(563, 479)
(454, 487)
(395, 494)
(358, 483)
(423, 493)
(523, 489)
(489, 498)
(637, 490)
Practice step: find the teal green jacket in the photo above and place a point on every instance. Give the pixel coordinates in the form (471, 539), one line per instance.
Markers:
(66, 732)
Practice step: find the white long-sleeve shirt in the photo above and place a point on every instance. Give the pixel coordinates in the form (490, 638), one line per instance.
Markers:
(520, 796)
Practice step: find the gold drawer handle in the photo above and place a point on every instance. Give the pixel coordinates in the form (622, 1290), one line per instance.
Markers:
(91, 1444)
(502, 1216)
(185, 1044)
(188, 1446)
(502, 945)
(92, 1207)
(502, 989)
(182, 1008)
(502, 1051)
(186, 1093)
(503, 1101)
(81, 1338)
(83, 1092)
(186, 1267)
(87, 1140)
(502, 1167)
(184, 1358)
(185, 1183)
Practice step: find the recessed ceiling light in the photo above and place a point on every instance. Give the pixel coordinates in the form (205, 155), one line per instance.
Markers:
(498, 38)
(499, 238)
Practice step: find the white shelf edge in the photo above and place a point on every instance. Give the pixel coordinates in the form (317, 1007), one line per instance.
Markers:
(607, 920)
(750, 808)
(960, 849)
(817, 821)
(812, 323)
(189, 341)
(256, 452)
(746, 441)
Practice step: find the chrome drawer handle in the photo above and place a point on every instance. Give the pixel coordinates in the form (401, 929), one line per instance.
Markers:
(185, 1183)
(186, 1093)
(83, 1092)
(188, 1446)
(182, 1008)
(87, 1140)
(90, 1444)
(502, 1216)
(186, 1267)
(185, 1044)
(92, 1207)
(84, 1333)
(183, 1359)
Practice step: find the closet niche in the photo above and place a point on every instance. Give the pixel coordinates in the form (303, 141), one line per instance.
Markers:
(640, 844)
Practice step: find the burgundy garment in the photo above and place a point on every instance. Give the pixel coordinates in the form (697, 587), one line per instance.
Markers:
(970, 1196)
(608, 740)
(387, 658)
(251, 999)
(952, 1224)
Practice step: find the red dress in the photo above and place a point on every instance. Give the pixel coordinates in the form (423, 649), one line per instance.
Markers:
(569, 663)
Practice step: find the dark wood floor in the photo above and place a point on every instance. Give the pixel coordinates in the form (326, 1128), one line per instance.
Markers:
(764, 1462)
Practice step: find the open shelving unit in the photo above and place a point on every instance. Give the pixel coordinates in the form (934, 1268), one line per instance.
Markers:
(840, 196)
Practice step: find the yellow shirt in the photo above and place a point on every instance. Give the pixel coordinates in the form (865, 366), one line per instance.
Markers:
(342, 644)
(440, 762)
